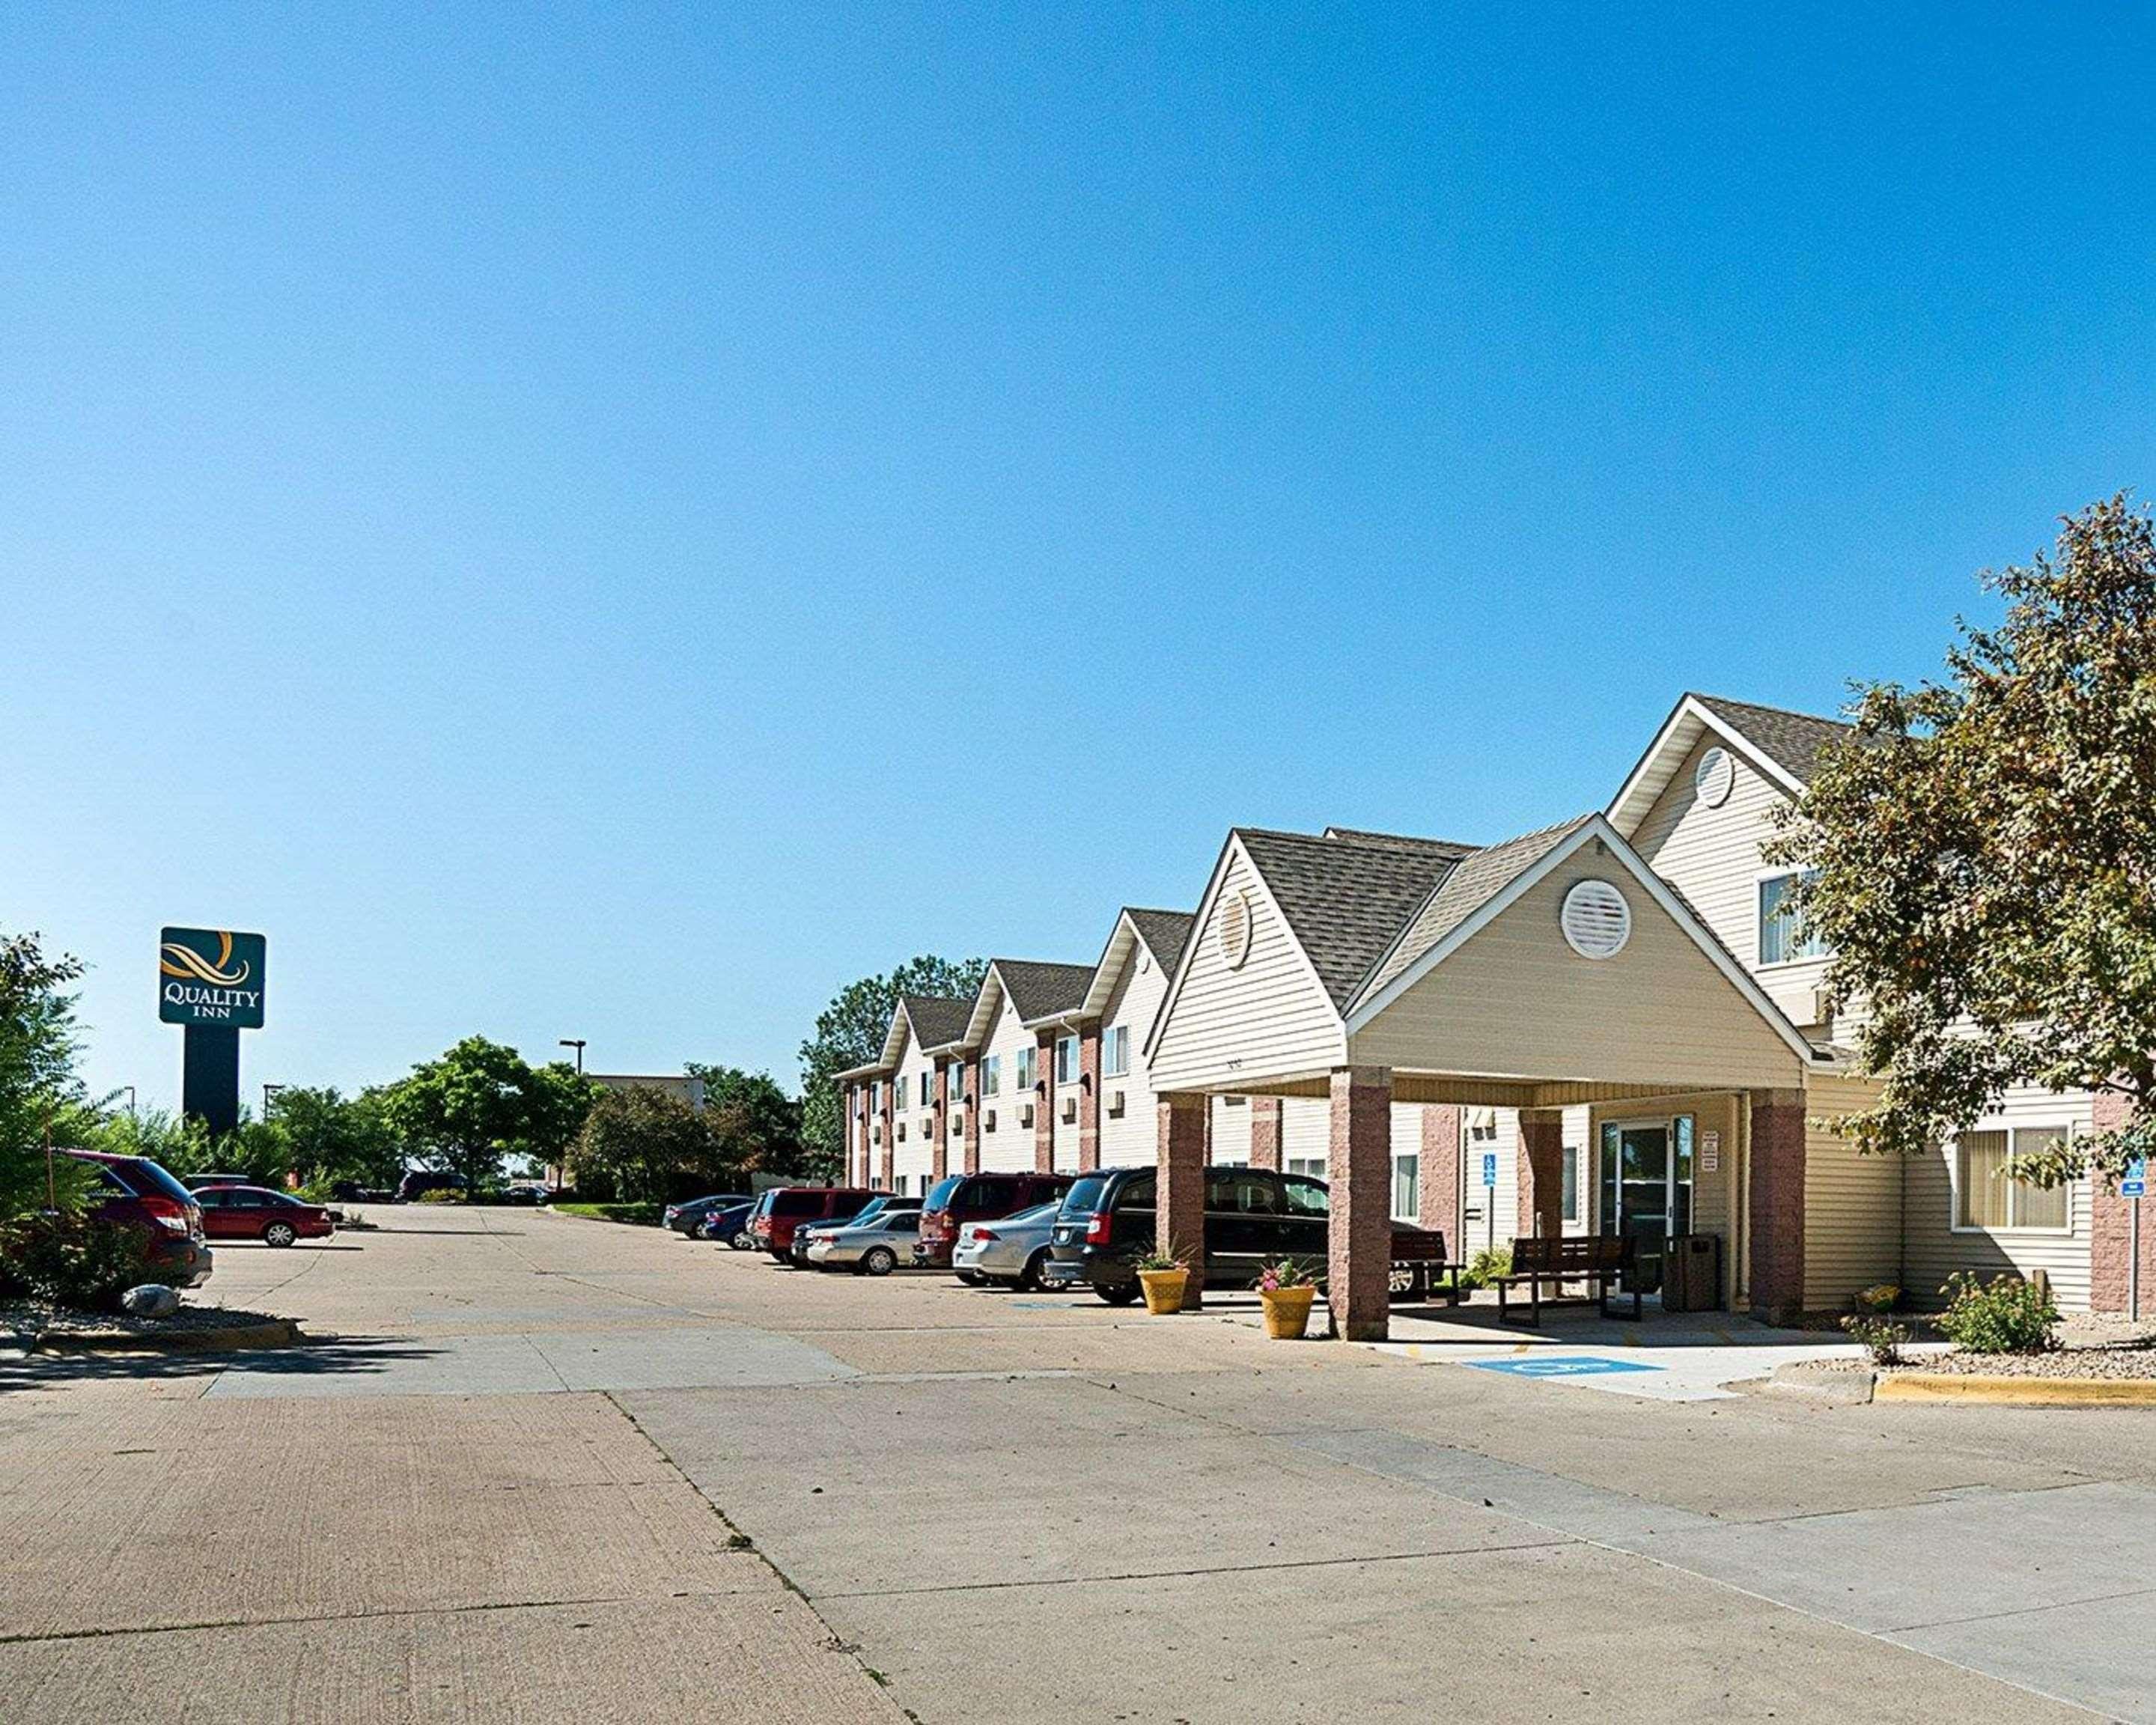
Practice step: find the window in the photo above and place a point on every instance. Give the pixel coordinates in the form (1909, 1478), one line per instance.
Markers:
(992, 1075)
(1569, 1184)
(1407, 1186)
(1066, 1059)
(1311, 1166)
(1115, 1051)
(1028, 1068)
(1985, 1198)
(1783, 940)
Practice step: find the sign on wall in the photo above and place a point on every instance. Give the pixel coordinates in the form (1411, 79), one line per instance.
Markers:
(211, 976)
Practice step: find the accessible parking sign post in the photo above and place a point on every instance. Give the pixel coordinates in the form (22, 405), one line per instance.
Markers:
(2131, 1189)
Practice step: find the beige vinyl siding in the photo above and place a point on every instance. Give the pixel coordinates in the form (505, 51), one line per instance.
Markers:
(1305, 1132)
(1852, 1202)
(912, 1155)
(1133, 1140)
(1270, 1018)
(1490, 1215)
(1009, 1149)
(1231, 1131)
(1517, 1001)
(1712, 856)
(1933, 1249)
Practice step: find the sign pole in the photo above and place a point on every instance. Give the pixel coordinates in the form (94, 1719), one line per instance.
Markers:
(2131, 1189)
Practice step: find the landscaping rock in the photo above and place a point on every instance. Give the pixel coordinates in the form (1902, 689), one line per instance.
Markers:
(152, 1299)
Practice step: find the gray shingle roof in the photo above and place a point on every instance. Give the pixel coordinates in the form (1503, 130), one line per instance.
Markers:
(936, 1019)
(1792, 741)
(1166, 931)
(1038, 991)
(1465, 890)
(1403, 841)
(1344, 898)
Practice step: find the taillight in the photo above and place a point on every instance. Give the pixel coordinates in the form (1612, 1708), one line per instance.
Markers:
(980, 1233)
(1096, 1227)
(167, 1213)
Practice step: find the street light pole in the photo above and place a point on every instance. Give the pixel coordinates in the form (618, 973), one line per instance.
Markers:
(130, 1089)
(267, 1092)
(577, 1044)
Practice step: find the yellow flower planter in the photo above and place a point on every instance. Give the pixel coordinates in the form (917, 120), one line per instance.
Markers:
(1164, 1290)
(1287, 1312)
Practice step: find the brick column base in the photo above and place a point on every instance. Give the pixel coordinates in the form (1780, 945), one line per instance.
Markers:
(1437, 1170)
(1542, 1172)
(1361, 1175)
(1777, 1216)
(1265, 1132)
(1179, 1203)
(2111, 1228)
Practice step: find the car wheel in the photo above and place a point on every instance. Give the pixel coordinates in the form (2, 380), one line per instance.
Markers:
(971, 1278)
(1030, 1277)
(1122, 1294)
(743, 1241)
(278, 1234)
(881, 1260)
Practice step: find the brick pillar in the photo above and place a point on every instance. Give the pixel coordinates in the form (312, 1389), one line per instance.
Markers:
(1089, 1099)
(1541, 1171)
(2111, 1227)
(1044, 1104)
(1265, 1132)
(1437, 1196)
(861, 1161)
(1776, 1220)
(889, 1179)
(1179, 1203)
(1360, 1172)
(939, 1158)
(973, 1153)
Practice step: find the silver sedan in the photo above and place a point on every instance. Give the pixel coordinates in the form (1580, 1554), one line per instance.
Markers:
(875, 1247)
(1011, 1250)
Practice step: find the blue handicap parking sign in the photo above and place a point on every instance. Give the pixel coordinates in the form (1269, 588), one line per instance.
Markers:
(1563, 1365)
(1489, 1168)
(2136, 1182)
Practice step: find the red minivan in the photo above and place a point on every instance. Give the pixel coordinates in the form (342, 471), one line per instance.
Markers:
(137, 1193)
(783, 1208)
(961, 1198)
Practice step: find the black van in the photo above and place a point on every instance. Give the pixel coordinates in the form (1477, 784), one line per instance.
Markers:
(1252, 1214)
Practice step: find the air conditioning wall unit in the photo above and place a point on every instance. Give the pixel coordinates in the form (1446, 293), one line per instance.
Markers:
(928, 1128)
(1116, 1103)
(875, 1132)
(1822, 1007)
(1069, 1109)
(957, 1125)
(987, 1120)
(901, 1131)
(1026, 1115)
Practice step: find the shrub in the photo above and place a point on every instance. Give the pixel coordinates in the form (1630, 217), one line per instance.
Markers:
(2005, 1315)
(1881, 1340)
(441, 1194)
(1285, 1273)
(1487, 1266)
(79, 1261)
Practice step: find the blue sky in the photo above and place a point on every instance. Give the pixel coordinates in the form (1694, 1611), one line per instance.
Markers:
(612, 522)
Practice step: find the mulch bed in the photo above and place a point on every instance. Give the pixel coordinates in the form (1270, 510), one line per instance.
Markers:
(34, 1322)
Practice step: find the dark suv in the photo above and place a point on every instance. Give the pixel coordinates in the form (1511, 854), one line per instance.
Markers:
(961, 1198)
(1251, 1214)
(136, 1193)
(783, 1208)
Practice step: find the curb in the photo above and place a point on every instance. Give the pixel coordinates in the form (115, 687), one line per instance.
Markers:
(279, 1333)
(1837, 1389)
(2018, 1392)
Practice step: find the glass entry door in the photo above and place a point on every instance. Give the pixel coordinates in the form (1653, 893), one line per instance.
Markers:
(1647, 1187)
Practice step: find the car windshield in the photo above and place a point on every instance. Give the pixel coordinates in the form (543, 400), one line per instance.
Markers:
(1084, 1197)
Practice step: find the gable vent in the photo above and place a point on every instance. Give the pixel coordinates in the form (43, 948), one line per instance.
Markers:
(1233, 930)
(1596, 920)
(1714, 777)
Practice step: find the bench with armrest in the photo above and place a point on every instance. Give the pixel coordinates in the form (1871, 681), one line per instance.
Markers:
(1601, 1259)
(1420, 1270)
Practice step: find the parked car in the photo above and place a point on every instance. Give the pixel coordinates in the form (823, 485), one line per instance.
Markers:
(419, 1181)
(797, 1252)
(352, 1192)
(961, 1198)
(195, 1183)
(525, 1192)
(1251, 1214)
(730, 1226)
(779, 1211)
(1011, 1251)
(136, 1193)
(683, 1218)
(870, 1247)
(261, 1212)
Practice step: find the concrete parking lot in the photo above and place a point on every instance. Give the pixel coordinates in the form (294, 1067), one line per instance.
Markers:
(542, 1468)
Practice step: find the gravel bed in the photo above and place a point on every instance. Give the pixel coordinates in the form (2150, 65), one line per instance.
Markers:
(2089, 1347)
(30, 1318)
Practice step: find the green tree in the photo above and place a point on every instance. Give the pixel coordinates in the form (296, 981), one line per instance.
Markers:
(332, 1136)
(1985, 857)
(645, 1146)
(38, 1079)
(480, 1101)
(767, 1122)
(849, 1033)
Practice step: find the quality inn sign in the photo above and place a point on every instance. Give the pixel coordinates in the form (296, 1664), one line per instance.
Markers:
(211, 976)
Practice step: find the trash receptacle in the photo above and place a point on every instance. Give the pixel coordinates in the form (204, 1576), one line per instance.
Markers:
(1691, 1273)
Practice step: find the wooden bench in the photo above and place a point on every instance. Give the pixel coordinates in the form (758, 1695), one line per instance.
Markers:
(1599, 1258)
(1418, 1278)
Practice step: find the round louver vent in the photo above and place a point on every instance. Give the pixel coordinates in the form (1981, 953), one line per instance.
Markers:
(1235, 931)
(1714, 777)
(1596, 920)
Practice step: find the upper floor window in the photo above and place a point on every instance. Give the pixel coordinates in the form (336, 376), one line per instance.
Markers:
(956, 1082)
(1782, 939)
(1116, 1050)
(992, 1075)
(1028, 1068)
(1066, 1059)
(1985, 1198)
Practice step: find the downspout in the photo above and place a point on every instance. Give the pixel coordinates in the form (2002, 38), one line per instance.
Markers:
(1743, 1300)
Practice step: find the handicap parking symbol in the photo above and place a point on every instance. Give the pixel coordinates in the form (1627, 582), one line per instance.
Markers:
(1565, 1365)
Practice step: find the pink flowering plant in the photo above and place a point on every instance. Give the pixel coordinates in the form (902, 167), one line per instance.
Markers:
(1285, 1273)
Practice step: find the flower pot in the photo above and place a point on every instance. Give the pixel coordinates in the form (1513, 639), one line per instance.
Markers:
(1164, 1290)
(1287, 1312)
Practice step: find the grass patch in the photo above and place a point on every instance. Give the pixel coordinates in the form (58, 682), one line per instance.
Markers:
(641, 1215)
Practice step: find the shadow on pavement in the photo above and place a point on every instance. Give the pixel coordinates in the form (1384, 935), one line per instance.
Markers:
(310, 1359)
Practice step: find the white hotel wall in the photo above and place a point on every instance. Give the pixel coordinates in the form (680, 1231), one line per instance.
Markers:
(1008, 1146)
